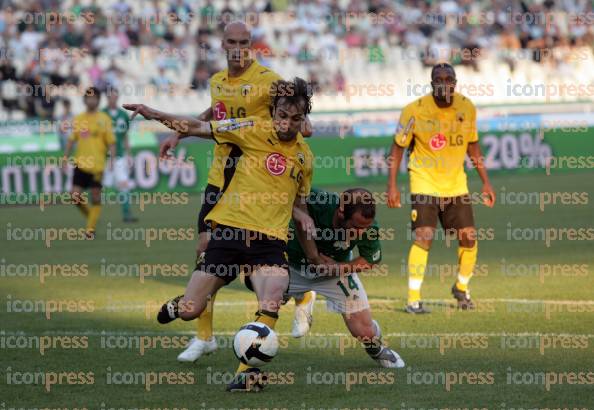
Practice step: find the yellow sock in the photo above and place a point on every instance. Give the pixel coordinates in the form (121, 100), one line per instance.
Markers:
(204, 322)
(83, 208)
(269, 319)
(417, 263)
(93, 217)
(307, 296)
(466, 262)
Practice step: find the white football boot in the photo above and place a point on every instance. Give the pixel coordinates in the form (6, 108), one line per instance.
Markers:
(303, 317)
(387, 357)
(196, 348)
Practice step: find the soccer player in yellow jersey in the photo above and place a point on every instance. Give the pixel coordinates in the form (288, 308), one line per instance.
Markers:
(93, 136)
(439, 129)
(240, 90)
(251, 219)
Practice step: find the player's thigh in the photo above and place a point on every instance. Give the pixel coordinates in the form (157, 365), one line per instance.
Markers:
(268, 272)
(458, 218)
(200, 290)
(223, 254)
(424, 216)
(345, 295)
(270, 284)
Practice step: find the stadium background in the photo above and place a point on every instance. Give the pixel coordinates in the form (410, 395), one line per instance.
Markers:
(526, 65)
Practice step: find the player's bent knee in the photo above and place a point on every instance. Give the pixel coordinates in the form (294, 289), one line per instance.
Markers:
(467, 237)
(189, 309)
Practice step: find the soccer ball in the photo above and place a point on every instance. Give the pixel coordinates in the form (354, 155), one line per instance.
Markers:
(255, 344)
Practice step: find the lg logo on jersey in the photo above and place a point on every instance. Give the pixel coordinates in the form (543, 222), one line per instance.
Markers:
(439, 141)
(220, 111)
(276, 164)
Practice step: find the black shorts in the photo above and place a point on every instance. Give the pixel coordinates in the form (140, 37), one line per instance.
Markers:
(212, 194)
(453, 212)
(86, 179)
(231, 251)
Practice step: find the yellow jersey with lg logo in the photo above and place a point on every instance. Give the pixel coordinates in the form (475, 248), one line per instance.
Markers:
(269, 175)
(437, 139)
(238, 97)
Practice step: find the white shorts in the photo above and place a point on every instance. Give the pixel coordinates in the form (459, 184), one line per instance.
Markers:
(346, 295)
(120, 177)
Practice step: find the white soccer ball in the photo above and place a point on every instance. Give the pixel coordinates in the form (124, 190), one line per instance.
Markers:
(255, 344)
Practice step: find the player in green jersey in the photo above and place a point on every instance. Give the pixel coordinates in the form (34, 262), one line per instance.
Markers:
(322, 262)
(121, 172)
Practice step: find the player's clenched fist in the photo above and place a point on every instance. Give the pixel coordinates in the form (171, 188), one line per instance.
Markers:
(393, 197)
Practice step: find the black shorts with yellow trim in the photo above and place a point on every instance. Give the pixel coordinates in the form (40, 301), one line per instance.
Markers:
(454, 212)
(85, 179)
(231, 251)
(212, 194)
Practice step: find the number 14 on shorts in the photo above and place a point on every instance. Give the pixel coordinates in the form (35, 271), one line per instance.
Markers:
(352, 286)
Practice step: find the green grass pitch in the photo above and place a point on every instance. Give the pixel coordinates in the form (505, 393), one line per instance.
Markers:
(529, 344)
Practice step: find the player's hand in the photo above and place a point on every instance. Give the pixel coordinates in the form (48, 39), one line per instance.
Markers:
(305, 222)
(321, 259)
(141, 109)
(326, 266)
(168, 144)
(393, 197)
(488, 195)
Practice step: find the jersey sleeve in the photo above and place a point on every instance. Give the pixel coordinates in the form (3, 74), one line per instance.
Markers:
(234, 130)
(405, 127)
(371, 249)
(473, 131)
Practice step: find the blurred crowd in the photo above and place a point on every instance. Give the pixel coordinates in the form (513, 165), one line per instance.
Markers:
(44, 42)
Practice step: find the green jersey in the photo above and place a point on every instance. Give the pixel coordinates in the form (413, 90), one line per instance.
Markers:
(120, 123)
(331, 241)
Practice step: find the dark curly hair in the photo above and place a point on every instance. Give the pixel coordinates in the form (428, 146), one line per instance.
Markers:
(293, 91)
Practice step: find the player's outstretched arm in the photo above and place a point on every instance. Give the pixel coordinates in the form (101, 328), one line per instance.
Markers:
(476, 156)
(394, 160)
(185, 126)
(171, 142)
(206, 115)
